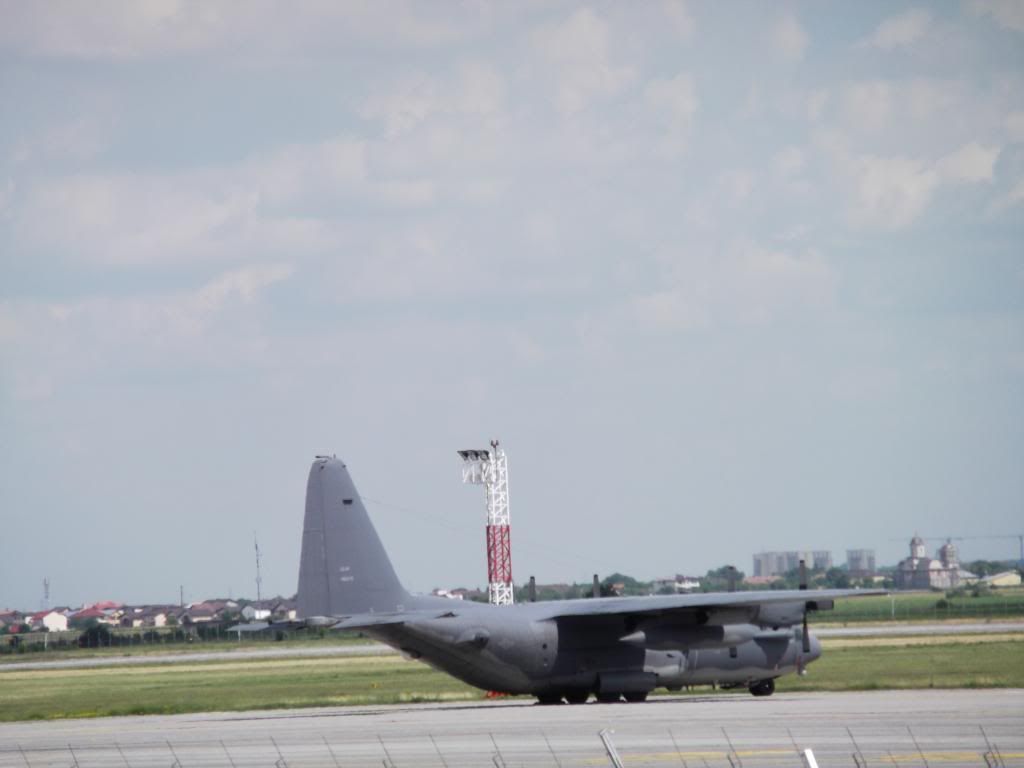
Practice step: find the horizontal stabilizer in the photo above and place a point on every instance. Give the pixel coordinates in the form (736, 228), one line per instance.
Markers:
(255, 626)
(368, 620)
(258, 626)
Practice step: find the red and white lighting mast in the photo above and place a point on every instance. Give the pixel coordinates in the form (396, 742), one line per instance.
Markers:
(490, 469)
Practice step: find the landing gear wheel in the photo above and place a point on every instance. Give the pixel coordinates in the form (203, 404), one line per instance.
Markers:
(763, 687)
(577, 697)
(636, 697)
(549, 698)
(609, 698)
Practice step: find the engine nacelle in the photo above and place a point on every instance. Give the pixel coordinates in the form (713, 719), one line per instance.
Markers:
(789, 614)
(780, 614)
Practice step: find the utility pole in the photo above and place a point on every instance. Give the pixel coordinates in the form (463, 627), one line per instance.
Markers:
(259, 579)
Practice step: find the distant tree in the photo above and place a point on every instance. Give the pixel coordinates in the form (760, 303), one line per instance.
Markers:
(96, 635)
(630, 586)
(837, 578)
(717, 579)
(989, 567)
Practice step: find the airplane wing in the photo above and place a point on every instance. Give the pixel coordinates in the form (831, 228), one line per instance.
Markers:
(662, 605)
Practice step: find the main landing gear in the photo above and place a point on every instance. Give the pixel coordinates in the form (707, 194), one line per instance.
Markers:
(763, 687)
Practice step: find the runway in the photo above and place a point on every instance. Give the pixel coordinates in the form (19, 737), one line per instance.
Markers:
(912, 630)
(191, 657)
(891, 727)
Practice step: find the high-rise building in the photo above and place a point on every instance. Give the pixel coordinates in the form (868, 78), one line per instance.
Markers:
(860, 562)
(780, 563)
(822, 559)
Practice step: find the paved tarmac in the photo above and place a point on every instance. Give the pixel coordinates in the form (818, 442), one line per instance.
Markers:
(377, 649)
(927, 727)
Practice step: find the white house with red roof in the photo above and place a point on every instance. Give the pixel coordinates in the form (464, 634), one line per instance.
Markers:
(52, 621)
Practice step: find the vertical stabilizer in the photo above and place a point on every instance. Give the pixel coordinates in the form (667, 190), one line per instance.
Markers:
(344, 569)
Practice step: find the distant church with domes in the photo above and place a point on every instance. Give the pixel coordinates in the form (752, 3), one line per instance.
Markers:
(922, 572)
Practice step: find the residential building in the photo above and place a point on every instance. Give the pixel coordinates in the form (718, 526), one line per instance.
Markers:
(677, 584)
(51, 621)
(1003, 579)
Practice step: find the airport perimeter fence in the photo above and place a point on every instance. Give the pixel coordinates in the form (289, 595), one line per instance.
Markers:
(200, 635)
(720, 750)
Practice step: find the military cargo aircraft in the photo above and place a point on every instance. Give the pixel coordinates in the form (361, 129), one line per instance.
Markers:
(612, 648)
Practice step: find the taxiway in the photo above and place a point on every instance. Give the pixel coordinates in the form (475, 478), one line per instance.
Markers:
(886, 727)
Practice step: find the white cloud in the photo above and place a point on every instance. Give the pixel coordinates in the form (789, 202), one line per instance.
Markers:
(868, 106)
(224, 214)
(679, 17)
(1015, 126)
(789, 162)
(168, 320)
(478, 90)
(1016, 193)
(971, 163)
(742, 284)
(928, 99)
(788, 38)
(404, 106)
(578, 51)
(79, 138)
(1007, 13)
(735, 185)
(891, 192)
(904, 29)
(675, 101)
(119, 29)
(888, 111)
(1013, 197)
(50, 344)
(817, 101)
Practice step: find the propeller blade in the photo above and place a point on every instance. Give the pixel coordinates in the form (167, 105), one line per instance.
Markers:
(803, 574)
(807, 636)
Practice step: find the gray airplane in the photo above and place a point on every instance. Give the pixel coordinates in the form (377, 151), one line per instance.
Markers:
(614, 648)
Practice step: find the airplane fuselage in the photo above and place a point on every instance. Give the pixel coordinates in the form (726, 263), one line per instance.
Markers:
(508, 650)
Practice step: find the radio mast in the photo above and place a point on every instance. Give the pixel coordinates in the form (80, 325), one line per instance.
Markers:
(490, 469)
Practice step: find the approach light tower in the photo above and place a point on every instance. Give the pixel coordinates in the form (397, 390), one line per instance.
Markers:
(490, 469)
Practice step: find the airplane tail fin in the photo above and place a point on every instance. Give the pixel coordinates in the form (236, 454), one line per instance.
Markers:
(344, 568)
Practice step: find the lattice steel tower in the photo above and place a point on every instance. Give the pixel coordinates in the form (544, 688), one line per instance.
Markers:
(490, 469)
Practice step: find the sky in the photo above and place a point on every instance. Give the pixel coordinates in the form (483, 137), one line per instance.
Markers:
(721, 277)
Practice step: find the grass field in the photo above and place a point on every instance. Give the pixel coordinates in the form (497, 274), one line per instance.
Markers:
(924, 606)
(928, 664)
(285, 683)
